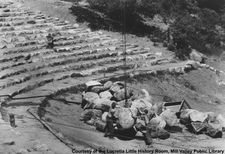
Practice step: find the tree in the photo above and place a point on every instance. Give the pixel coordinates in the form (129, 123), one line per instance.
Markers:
(216, 5)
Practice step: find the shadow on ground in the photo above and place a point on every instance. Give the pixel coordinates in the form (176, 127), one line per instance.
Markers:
(97, 21)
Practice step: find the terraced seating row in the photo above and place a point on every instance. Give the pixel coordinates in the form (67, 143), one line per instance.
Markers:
(75, 59)
(28, 68)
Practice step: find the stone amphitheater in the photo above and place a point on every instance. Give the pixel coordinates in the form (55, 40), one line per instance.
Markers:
(28, 68)
(29, 71)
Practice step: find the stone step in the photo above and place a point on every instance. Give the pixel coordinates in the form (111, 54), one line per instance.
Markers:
(22, 18)
(71, 48)
(45, 26)
(11, 9)
(14, 14)
(85, 52)
(12, 41)
(58, 86)
(54, 87)
(23, 49)
(31, 22)
(6, 61)
(53, 71)
(74, 57)
(62, 31)
(25, 86)
(80, 41)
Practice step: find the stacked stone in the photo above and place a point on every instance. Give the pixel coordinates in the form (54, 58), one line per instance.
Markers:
(129, 113)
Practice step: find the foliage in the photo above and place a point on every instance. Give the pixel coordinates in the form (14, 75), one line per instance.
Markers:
(198, 32)
(216, 5)
(197, 24)
(114, 8)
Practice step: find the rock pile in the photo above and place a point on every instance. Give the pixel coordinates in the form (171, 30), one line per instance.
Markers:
(98, 98)
(203, 122)
(139, 113)
(136, 113)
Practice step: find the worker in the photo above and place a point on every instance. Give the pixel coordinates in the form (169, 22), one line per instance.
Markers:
(148, 116)
(3, 110)
(110, 119)
(50, 40)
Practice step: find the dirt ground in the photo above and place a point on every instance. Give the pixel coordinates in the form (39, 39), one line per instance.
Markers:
(200, 88)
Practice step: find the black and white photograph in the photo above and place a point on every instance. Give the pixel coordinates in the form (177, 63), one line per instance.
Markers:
(112, 76)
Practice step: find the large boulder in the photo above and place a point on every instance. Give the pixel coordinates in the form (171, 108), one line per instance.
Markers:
(115, 88)
(106, 94)
(198, 116)
(197, 56)
(120, 95)
(89, 98)
(125, 117)
(185, 116)
(73, 98)
(108, 85)
(89, 114)
(97, 89)
(141, 105)
(102, 104)
(213, 132)
(92, 83)
(144, 102)
(158, 122)
(221, 120)
(158, 108)
(211, 116)
(170, 117)
(123, 103)
(134, 112)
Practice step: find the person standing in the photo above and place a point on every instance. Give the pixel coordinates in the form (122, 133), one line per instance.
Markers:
(109, 128)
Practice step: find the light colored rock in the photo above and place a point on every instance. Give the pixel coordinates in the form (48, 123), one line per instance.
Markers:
(76, 25)
(115, 88)
(91, 122)
(185, 114)
(158, 108)
(196, 56)
(198, 116)
(108, 84)
(142, 122)
(120, 95)
(92, 83)
(74, 98)
(102, 103)
(134, 112)
(141, 105)
(106, 94)
(221, 120)
(97, 89)
(169, 117)
(216, 125)
(125, 118)
(22, 151)
(89, 97)
(122, 103)
(211, 116)
(158, 121)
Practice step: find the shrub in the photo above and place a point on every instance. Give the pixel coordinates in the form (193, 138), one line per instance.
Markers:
(114, 8)
(216, 5)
